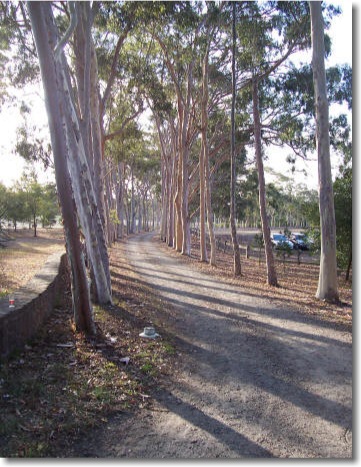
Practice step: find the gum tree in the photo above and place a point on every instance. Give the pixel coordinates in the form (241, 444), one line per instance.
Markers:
(45, 39)
(327, 283)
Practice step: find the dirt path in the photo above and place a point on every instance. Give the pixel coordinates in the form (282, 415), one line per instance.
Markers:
(254, 380)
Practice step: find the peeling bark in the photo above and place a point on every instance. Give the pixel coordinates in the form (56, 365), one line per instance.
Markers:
(41, 21)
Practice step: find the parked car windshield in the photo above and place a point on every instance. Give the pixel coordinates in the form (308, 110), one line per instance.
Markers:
(279, 237)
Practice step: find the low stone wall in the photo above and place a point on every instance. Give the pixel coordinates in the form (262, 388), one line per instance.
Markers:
(33, 303)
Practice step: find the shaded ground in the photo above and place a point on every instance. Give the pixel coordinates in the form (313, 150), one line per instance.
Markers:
(233, 375)
(253, 379)
(62, 386)
(298, 283)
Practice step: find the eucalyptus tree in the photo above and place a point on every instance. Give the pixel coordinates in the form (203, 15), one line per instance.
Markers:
(33, 195)
(198, 70)
(167, 140)
(236, 253)
(327, 283)
(343, 213)
(293, 95)
(206, 89)
(209, 48)
(81, 186)
(3, 205)
(121, 138)
(16, 206)
(114, 22)
(342, 143)
(179, 44)
(45, 37)
(261, 54)
(174, 80)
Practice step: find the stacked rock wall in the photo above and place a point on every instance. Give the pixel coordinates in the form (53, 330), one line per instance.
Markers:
(33, 304)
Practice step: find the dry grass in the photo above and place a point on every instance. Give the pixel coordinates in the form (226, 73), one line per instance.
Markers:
(63, 385)
(25, 254)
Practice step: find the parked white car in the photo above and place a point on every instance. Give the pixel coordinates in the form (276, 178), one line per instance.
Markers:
(277, 240)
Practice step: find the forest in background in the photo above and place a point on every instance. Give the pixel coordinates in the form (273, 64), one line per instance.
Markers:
(219, 83)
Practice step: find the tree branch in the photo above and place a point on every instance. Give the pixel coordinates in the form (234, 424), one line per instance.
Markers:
(73, 22)
(113, 71)
(124, 124)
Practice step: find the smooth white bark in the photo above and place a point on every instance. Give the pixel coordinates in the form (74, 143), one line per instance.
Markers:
(327, 283)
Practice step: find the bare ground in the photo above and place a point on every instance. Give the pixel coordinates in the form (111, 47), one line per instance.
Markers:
(253, 378)
(239, 370)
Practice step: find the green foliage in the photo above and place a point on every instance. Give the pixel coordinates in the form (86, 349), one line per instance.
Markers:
(32, 148)
(287, 233)
(114, 217)
(29, 201)
(258, 242)
(339, 84)
(19, 63)
(313, 238)
(284, 251)
(49, 206)
(16, 206)
(266, 33)
(3, 204)
(343, 212)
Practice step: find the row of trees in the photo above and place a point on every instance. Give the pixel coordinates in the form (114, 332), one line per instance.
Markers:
(32, 203)
(287, 204)
(29, 202)
(220, 86)
(239, 107)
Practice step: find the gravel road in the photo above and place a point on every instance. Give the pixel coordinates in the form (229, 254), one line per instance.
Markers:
(254, 380)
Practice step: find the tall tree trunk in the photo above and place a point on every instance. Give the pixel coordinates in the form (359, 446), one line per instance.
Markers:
(186, 244)
(178, 207)
(168, 158)
(182, 242)
(202, 157)
(96, 141)
(271, 270)
(184, 157)
(205, 148)
(90, 124)
(236, 253)
(170, 231)
(173, 178)
(81, 180)
(132, 203)
(202, 201)
(120, 200)
(164, 197)
(41, 22)
(110, 207)
(327, 282)
(35, 225)
(85, 199)
(349, 264)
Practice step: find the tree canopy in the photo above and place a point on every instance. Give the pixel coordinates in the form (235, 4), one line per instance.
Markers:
(116, 65)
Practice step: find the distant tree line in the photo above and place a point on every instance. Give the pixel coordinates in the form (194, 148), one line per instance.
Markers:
(28, 202)
(219, 86)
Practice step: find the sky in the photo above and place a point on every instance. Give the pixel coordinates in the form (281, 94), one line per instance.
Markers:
(12, 165)
(341, 36)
